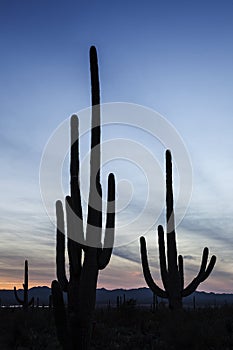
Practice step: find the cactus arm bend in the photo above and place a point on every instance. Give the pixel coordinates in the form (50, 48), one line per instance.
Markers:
(146, 271)
(203, 273)
(60, 247)
(105, 253)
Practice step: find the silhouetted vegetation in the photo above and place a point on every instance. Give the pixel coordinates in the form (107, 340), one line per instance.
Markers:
(77, 325)
(74, 328)
(171, 268)
(24, 302)
(134, 328)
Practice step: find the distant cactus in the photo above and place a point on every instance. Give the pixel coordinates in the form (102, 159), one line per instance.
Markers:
(24, 301)
(155, 304)
(74, 328)
(172, 272)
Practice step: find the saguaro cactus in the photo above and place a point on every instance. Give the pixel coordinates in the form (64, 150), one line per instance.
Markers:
(172, 272)
(24, 301)
(87, 255)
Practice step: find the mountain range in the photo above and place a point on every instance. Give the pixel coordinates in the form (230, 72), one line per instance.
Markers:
(104, 297)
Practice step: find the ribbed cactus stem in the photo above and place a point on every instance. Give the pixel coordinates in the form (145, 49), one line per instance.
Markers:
(172, 269)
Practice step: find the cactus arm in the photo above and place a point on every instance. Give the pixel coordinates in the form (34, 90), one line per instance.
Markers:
(209, 267)
(203, 273)
(146, 271)
(74, 248)
(60, 248)
(181, 270)
(60, 316)
(75, 181)
(20, 301)
(94, 216)
(162, 257)
(74, 156)
(95, 89)
(171, 236)
(104, 254)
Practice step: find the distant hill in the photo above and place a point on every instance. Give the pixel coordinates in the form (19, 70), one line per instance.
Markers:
(143, 296)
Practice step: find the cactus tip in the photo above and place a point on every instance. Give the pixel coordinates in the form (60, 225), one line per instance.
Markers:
(142, 240)
(74, 120)
(214, 259)
(58, 205)
(92, 50)
(93, 55)
(111, 178)
(168, 155)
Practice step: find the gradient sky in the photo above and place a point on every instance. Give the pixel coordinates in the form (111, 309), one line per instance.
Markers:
(175, 57)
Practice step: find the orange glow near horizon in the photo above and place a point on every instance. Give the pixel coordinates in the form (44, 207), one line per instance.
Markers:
(216, 288)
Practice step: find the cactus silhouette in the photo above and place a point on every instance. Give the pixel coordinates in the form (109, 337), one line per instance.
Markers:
(86, 255)
(24, 301)
(172, 271)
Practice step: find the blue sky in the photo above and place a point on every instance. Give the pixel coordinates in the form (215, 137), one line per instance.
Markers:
(173, 57)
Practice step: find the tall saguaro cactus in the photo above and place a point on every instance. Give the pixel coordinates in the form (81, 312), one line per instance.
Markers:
(87, 255)
(25, 302)
(171, 268)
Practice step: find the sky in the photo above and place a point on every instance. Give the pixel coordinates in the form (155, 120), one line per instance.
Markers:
(173, 57)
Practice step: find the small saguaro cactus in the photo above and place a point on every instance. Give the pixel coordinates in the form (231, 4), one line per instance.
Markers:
(155, 304)
(87, 254)
(171, 268)
(24, 301)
